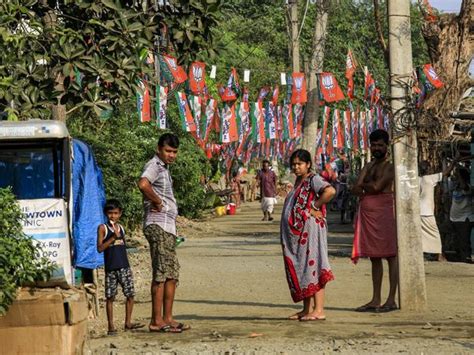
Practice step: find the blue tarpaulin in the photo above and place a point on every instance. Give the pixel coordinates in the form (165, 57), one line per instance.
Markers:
(89, 200)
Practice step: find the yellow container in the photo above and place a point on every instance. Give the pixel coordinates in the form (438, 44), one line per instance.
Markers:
(220, 211)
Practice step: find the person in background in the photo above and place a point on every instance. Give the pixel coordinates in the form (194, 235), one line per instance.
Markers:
(430, 237)
(461, 213)
(266, 179)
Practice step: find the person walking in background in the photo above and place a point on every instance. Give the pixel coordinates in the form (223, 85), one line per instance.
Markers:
(461, 213)
(375, 229)
(303, 234)
(111, 242)
(266, 179)
(161, 211)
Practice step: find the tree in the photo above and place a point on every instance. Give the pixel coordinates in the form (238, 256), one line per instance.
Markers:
(450, 45)
(316, 65)
(90, 55)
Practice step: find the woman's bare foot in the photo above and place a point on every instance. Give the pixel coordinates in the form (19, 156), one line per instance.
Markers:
(297, 316)
(315, 315)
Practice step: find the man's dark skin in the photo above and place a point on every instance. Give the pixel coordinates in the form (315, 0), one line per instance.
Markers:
(377, 177)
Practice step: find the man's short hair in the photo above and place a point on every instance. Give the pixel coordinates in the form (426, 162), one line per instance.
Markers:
(169, 139)
(266, 161)
(379, 134)
(112, 204)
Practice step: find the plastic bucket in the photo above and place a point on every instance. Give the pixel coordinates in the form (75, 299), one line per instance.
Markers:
(231, 208)
(220, 211)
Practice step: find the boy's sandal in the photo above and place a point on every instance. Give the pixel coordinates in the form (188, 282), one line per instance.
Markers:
(166, 329)
(134, 326)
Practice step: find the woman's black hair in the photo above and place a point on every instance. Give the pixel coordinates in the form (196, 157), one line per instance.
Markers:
(303, 155)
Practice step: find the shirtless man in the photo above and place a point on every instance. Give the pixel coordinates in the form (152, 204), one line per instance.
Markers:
(375, 231)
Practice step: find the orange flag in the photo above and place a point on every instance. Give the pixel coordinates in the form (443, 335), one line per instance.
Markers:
(298, 90)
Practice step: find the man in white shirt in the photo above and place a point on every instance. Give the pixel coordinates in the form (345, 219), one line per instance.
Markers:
(431, 238)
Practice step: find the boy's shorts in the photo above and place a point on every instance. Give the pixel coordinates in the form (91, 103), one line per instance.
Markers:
(164, 260)
(124, 277)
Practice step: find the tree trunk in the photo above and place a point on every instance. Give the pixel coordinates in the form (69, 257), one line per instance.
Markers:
(450, 41)
(58, 111)
(293, 32)
(310, 127)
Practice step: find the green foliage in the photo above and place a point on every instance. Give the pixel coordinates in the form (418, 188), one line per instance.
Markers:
(255, 37)
(122, 148)
(19, 254)
(90, 54)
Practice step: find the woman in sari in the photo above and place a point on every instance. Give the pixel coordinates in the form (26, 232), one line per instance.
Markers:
(304, 238)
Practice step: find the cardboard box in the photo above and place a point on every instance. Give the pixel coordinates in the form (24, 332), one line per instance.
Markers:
(45, 321)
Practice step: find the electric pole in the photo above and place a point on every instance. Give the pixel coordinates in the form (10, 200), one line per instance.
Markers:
(412, 288)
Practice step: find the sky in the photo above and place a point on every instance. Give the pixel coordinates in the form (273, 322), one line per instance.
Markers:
(446, 5)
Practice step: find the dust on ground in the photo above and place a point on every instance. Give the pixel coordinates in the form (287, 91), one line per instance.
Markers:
(234, 294)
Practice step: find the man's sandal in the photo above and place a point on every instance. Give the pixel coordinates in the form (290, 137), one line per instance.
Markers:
(367, 308)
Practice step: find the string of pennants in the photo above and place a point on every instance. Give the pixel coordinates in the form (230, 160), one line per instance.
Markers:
(249, 129)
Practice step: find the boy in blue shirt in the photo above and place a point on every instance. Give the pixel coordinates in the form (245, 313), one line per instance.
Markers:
(111, 241)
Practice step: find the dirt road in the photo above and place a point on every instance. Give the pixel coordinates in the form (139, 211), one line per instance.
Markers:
(234, 294)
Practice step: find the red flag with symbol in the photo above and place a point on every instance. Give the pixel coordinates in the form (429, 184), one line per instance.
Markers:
(229, 132)
(432, 76)
(179, 75)
(143, 103)
(369, 86)
(330, 90)
(298, 90)
(351, 66)
(232, 90)
(197, 77)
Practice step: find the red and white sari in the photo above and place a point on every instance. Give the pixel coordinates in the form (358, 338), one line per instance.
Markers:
(304, 241)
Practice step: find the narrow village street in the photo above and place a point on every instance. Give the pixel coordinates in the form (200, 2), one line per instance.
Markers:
(234, 294)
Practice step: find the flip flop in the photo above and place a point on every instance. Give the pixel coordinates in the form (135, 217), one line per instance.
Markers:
(182, 326)
(134, 326)
(386, 308)
(112, 332)
(367, 308)
(294, 317)
(311, 319)
(165, 329)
